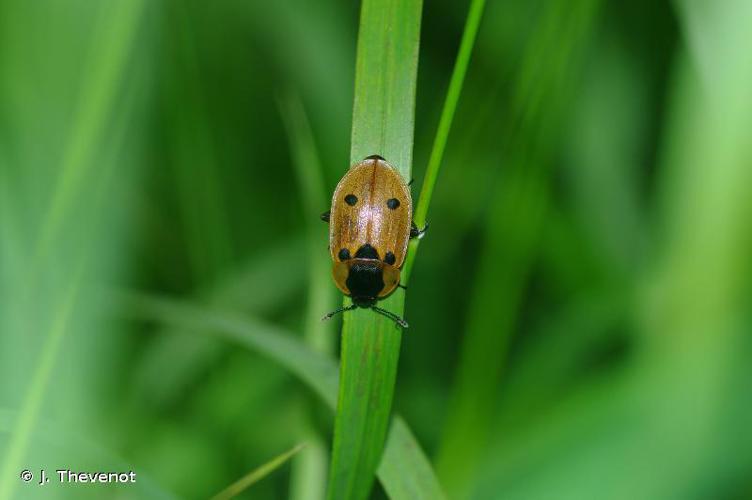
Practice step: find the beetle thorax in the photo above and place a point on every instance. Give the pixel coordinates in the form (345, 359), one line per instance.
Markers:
(365, 280)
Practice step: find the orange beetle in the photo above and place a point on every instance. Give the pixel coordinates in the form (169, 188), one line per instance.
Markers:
(370, 227)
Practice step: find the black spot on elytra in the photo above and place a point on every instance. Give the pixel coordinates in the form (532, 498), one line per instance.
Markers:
(367, 252)
(344, 254)
(351, 199)
(389, 258)
(393, 203)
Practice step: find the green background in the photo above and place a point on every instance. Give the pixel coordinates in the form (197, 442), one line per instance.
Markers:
(580, 309)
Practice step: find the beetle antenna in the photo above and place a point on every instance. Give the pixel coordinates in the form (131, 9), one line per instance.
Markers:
(401, 322)
(340, 310)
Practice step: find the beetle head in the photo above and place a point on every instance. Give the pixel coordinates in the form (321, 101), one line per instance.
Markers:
(364, 301)
(365, 281)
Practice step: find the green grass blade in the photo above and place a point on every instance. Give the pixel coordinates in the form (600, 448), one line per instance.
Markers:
(445, 124)
(254, 286)
(510, 245)
(695, 342)
(59, 436)
(412, 479)
(115, 39)
(309, 473)
(386, 69)
(257, 474)
(402, 454)
(27, 417)
(367, 373)
(321, 291)
(201, 203)
(315, 370)
(115, 36)
(383, 122)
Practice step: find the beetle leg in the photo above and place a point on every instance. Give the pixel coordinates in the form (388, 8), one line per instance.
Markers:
(410, 183)
(402, 286)
(325, 216)
(418, 233)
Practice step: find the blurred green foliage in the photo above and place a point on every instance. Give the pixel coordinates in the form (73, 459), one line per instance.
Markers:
(580, 310)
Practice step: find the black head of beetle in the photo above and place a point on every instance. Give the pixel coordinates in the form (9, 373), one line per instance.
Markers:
(364, 279)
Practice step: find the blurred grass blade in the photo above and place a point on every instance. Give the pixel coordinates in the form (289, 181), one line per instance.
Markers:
(308, 476)
(115, 33)
(308, 473)
(383, 120)
(100, 83)
(403, 454)
(305, 158)
(321, 291)
(445, 124)
(50, 434)
(412, 479)
(196, 169)
(315, 370)
(255, 286)
(37, 388)
(685, 396)
(509, 247)
(257, 474)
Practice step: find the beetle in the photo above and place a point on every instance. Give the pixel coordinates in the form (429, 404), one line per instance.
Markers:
(370, 225)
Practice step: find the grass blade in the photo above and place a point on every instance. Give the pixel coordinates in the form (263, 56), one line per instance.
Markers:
(385, 80)
(115, 34)
(253, 286)
(27, 417)
(383, 122)
(317, 371)
(402, 454)
(51, 437)
(413, 478)
(511, 243)
(202, 210)
(257, 474)
(311, 187)
(445, 124)
(309, 473)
